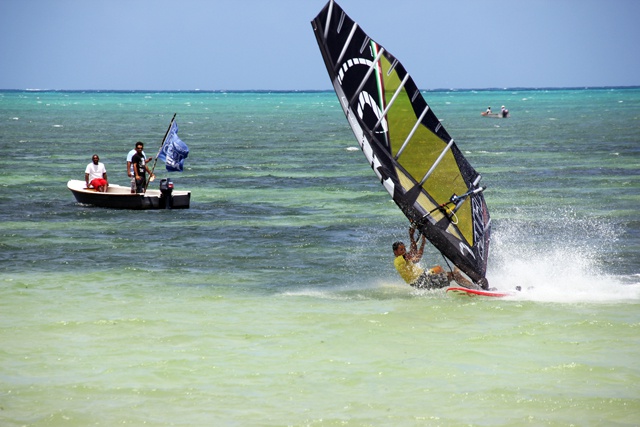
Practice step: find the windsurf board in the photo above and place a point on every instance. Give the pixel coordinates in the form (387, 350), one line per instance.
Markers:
(458, 290)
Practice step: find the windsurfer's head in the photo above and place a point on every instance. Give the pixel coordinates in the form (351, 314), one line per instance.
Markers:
(139, 145)
(398, 248)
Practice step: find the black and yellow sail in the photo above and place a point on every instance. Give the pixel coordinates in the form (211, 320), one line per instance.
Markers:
(410, 151)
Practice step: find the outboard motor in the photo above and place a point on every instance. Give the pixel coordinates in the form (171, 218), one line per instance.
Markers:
(166, 188)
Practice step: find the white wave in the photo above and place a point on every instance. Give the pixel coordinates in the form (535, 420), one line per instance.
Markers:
(560, 259)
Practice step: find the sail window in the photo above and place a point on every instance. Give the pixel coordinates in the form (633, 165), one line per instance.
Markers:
(393, 99)
(437, 162)
(415, 127)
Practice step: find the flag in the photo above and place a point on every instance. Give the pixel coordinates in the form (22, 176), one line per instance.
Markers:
(174, 150)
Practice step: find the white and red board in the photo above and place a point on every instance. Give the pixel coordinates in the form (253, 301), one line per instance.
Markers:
(477, 292)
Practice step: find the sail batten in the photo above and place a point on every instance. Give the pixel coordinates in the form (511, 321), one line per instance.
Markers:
(436, 163)
(328, 23)
(366, 77)
(410, 151)
(413, 131)
(347, 43)
(393, 99)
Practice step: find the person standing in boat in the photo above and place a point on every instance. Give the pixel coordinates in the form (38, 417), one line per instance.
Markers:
(130, 172)
(140, 168)
(95, 175)
(406, 263)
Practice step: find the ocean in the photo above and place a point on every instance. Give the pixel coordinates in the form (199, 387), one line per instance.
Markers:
(273, 300)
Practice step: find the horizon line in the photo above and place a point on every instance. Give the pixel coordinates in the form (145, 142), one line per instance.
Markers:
(314, 90)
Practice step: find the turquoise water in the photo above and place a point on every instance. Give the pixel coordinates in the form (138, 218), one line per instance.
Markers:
(273, 300)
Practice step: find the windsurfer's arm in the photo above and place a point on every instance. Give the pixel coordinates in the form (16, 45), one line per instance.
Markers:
(414, 253)
(417, 256)
(413, 246)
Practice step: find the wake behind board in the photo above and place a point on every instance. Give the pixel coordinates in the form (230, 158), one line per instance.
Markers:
(476, 292)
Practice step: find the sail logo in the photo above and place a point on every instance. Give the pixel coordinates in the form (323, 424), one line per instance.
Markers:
(464, 248)
(364, 98)
(477, 212)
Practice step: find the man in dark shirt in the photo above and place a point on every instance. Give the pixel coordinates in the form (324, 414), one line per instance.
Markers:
(140, 168)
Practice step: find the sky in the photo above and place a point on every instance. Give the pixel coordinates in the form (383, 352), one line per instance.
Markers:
(269, 44)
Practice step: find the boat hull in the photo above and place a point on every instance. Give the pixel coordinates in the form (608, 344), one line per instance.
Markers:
(494, 115)
(119, 197)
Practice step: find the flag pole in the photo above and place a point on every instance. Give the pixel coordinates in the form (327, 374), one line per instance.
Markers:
(160, 149)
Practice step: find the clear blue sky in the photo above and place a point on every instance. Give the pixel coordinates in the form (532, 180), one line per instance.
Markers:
(269, 44)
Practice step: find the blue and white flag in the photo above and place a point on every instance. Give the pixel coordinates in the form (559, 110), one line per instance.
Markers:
(173, 151)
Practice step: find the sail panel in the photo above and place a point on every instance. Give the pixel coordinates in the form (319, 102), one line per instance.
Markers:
(403, 140)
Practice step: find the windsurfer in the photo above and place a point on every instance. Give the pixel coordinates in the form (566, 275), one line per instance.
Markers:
(407, 265)
(140, 168)
(96, 175)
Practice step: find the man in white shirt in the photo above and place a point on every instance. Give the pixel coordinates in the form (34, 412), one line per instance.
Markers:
(95, 175)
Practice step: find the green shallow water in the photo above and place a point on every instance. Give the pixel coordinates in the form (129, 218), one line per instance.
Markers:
(105, 352)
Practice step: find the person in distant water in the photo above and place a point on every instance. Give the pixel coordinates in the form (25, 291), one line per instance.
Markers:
(95, 175)
(488, 111)
(504, 112)
(140, 168)
(407, 265)
(130, 172)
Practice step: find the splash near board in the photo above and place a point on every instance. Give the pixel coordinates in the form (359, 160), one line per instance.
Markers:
(407, 147)
(476, 292)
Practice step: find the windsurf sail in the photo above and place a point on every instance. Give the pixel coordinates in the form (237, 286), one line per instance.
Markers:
(410, 151)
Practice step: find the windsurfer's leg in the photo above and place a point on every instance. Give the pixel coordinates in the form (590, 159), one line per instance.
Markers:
(431, 281)
(457, 277)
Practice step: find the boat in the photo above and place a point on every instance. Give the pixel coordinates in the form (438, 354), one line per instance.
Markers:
(493, 115)
(407, 147)
(120, 197)
(173, 151)
(503, 114)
